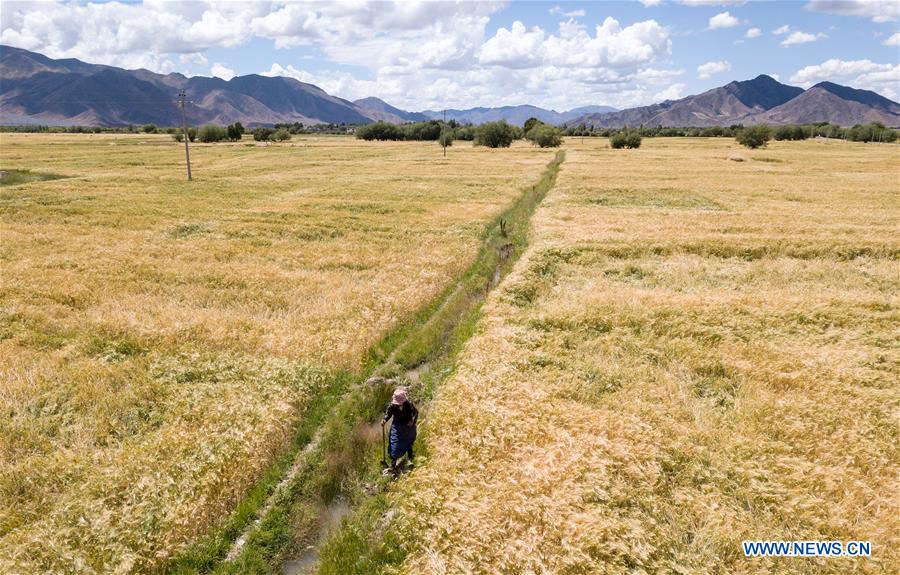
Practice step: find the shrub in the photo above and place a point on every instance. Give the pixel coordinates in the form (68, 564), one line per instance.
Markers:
(544, 135)
(211, 133)
(446, 139)
(178, 136)
(625, 139)
(263, 134)
(495, 134)
(465, 133)
(755, 136)
(281, 135)
(149, 128)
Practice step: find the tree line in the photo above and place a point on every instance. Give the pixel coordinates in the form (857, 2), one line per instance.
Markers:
(498, 134)
(871, 132)
(493, 134)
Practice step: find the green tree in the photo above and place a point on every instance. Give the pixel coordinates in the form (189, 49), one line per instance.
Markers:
(281, 135)
(755, 136)
(530, 123)
(495, 134)
(380, 131)
(263, 134)
(625, 138)
(545, 136)
(783, 133)
(149, 128)
(235, 131)
(210, 133)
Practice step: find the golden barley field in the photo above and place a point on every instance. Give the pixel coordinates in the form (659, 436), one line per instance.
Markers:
(159, 339)
(694, 351)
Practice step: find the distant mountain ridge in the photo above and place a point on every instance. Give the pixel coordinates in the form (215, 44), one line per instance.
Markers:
(38, 89)
(757, 101)
(35, 88)
(378, 109)
(515, 114)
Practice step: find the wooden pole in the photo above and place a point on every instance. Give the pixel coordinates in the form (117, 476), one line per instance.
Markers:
(187, 152)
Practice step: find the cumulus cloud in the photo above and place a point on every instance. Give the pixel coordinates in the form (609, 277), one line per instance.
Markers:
(863, 74)
(893, 40)
(798, 37)
(753, 33)
(574, 47)
(673, 92)
(517, 47)
(128, 35)
(877, 10)
(723, 20)
(704, 71)
(220, 71)
(781, 30)
(649, 3)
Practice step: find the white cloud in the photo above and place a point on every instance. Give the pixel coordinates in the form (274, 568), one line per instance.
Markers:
(673, 92)
(649, 3)
(781, 30)
(723, 20)
(574, 47)
(220, 71)
(753, 33)
(800, 38)
(704, 71)
(196, 59)
(557, 11)
(863, 74)
(877, 10)
(893, 40)
(515, 48)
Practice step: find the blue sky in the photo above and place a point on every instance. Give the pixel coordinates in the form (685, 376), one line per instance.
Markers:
(419, 55)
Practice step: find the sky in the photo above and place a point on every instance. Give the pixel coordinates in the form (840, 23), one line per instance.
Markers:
(442, 54)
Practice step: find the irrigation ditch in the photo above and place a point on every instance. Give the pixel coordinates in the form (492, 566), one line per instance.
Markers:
(321, 507)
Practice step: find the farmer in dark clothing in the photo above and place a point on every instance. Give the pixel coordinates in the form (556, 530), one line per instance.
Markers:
(403, 429)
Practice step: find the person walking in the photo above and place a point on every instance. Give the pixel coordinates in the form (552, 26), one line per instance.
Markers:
(403, 428)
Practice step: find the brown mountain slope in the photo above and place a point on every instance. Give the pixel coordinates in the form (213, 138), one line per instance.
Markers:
(822, 103)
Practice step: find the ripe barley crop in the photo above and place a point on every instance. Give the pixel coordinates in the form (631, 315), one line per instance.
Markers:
(692, 352)
(159, 339)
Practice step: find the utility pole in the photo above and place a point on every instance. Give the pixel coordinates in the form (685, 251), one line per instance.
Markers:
(187, 153)
(443, 136)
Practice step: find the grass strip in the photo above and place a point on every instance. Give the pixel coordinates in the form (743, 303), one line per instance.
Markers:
(364, 544)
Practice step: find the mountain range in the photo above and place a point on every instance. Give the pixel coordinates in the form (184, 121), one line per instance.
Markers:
(516, 114)
(38, 89)
(762, 100)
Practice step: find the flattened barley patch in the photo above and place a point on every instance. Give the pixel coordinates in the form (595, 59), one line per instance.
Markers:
(662, 198)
